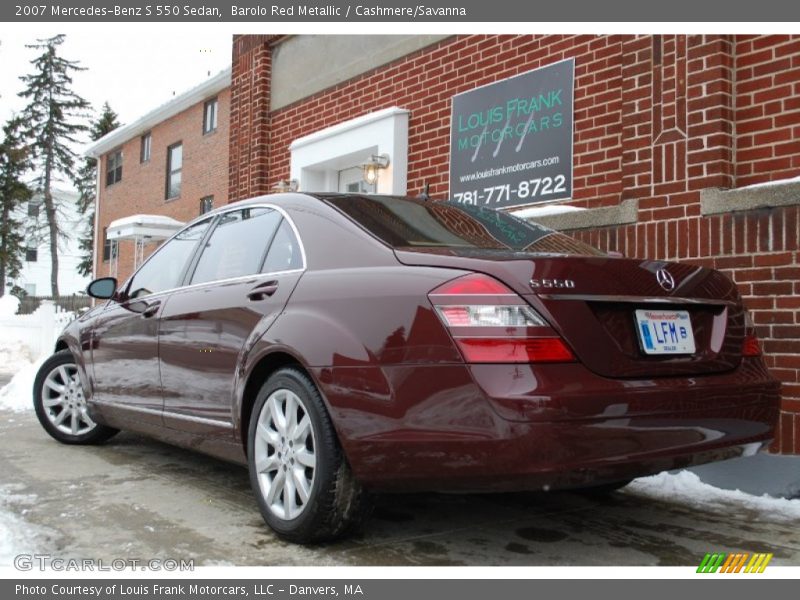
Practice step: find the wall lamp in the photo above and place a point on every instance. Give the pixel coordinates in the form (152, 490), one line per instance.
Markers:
(286, 186)
(373, 166)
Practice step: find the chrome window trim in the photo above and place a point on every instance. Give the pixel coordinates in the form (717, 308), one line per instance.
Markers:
(636, 299)
(213, 216)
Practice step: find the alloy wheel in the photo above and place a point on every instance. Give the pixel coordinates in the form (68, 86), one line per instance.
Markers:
(64, 402)
(285, 458)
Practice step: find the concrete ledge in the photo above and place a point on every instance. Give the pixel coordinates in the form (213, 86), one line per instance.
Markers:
(303, 65)
(624, 213)
(714, 201)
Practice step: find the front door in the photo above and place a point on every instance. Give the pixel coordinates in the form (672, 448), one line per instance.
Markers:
(125, 363)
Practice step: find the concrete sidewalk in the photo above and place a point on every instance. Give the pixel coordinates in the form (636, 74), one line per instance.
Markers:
(136, 498)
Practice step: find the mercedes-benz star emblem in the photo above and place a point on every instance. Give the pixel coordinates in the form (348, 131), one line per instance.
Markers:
(665, 280)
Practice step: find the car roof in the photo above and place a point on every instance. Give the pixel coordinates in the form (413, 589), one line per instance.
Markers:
(294, 199)
(289, 197)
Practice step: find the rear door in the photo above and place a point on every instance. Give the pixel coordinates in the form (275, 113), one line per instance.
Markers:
(240, 282)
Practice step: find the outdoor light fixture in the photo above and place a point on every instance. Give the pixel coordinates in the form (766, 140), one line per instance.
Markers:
(286, 186)
(371, 168)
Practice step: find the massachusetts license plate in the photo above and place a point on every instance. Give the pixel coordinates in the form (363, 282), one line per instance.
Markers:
(665, 331)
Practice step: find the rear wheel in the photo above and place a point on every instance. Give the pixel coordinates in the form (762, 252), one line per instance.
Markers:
(303, 484)
(60, 403)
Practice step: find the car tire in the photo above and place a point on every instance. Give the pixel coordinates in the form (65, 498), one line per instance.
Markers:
(304, 486)
(60, 403)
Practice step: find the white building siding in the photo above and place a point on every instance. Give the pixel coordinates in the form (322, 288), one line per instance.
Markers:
(35, 276)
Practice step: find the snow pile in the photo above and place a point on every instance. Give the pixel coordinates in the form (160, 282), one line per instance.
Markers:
(8, 305)
(16, 535)
(14, 356)
(687, 489)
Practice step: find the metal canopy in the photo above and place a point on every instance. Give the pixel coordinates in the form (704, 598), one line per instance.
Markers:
(141, 229)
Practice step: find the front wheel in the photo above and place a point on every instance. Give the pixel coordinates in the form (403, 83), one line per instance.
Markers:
(60, 404)
(303, 484)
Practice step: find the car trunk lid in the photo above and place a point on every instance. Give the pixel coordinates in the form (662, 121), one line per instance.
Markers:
(591, 301)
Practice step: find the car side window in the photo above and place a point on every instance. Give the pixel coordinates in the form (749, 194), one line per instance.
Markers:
(236, 246)
(164, 269)
(284, 253)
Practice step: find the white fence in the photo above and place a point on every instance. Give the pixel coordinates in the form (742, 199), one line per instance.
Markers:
(38, 331)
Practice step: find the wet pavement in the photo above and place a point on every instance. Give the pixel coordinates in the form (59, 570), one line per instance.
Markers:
(137, 498)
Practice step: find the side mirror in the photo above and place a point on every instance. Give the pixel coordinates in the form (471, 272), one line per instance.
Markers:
(102, 288)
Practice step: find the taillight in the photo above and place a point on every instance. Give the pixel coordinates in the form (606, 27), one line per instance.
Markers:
(514, 350)
(750, 345)
(492, 324)
(489, 315)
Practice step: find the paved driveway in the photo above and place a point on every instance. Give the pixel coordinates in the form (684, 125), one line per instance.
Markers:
(136, 498)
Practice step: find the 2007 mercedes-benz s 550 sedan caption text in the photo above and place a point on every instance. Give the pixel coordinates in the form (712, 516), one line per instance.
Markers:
(346, 344)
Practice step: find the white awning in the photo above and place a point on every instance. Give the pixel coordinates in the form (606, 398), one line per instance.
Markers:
(152, 227)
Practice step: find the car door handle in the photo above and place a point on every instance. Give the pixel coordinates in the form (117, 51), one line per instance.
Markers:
(151, 309)
(262, 291)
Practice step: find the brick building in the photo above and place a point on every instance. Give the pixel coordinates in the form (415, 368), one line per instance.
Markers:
(172, 161)
(668, 131)
(684, 147)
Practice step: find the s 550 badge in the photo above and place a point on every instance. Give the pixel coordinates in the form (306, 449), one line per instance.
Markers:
(552, 283)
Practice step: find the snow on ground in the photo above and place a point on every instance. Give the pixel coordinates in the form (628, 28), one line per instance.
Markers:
(19, 364)
(17, 536)
(687, 489)
(14, 356)
(8, 305)
(16, 395)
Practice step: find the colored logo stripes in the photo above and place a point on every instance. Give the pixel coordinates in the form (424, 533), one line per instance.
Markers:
(734, 563)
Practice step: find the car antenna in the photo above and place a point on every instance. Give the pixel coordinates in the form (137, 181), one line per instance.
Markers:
(425, 195)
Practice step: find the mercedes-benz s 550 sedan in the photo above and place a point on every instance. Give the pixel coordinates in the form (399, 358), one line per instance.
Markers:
(344, 344)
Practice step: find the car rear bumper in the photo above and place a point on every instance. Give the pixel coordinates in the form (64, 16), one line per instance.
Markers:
(519, 427)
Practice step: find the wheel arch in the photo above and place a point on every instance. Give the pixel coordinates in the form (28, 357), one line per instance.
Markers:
(262, 369)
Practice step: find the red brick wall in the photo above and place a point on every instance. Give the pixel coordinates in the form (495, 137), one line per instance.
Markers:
(142, 189)
(658, 118)
(251, 69)
(767, 108)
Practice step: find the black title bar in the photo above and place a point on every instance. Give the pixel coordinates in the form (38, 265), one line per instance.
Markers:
(398, 11)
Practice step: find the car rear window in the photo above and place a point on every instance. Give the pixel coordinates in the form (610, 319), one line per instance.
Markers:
(407, 222)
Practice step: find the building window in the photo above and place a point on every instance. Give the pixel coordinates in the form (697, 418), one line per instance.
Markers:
(147, 144)
(31, 254)
(33, 209)
(210, 110)
(114, 167)
(174, 166)
(206, 204)
(108, 247)
(30, 289)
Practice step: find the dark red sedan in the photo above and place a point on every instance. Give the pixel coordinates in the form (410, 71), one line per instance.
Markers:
(342, 344)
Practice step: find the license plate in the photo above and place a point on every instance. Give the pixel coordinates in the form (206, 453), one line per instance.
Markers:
(665, 331)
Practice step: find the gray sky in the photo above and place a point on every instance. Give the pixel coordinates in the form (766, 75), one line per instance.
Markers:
(134, 67)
